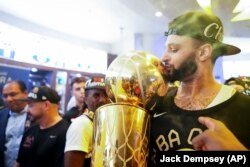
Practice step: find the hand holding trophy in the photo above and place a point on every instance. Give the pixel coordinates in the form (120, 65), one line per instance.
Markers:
(121, 129)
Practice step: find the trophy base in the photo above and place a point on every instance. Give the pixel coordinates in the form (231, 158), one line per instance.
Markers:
(121, 136)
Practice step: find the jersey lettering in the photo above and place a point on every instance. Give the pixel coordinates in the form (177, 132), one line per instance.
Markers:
(192, 134)
(173, 139)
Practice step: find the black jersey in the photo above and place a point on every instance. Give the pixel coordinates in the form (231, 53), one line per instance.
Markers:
(173, 128)
(72, 113)
(43, 147)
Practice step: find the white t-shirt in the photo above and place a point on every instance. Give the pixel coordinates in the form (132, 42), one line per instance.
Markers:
(224, 94)
(79, 135)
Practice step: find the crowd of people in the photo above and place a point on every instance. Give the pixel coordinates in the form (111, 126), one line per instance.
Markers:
(198, 114)
(33, 133)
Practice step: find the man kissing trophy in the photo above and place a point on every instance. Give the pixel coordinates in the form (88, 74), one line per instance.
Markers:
(121, 129)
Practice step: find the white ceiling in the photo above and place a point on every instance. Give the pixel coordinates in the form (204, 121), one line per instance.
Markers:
(107, 20)
(222, 8)
(98, 20)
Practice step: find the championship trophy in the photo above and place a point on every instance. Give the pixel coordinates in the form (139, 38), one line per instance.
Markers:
(121, 129)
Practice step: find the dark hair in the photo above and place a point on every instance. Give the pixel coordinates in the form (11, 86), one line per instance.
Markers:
(77, 80)
(20, 83)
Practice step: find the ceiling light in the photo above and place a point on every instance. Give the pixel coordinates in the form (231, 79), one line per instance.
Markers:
(244, 15)
(78, 75)
(158, 14)
(205, 5)
(243, 10)
(242, 4)
(34, 69)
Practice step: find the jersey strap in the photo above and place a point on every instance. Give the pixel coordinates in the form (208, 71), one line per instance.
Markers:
(89, 114)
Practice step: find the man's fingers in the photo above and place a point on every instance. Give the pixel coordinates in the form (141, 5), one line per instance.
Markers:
(199, 141)
(210, 123)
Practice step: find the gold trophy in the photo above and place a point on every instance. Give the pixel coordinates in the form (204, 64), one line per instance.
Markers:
(121, 129)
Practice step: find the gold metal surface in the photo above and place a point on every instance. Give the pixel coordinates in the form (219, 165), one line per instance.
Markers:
(121, 130)
(135, 78)
(121, 134)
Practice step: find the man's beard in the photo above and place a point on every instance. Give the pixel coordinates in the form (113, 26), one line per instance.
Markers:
(186, 69)
(36, 118)
(16, 106)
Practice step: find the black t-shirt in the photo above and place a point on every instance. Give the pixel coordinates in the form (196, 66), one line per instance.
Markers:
(173, 128)
(73, 113)
(43, 147)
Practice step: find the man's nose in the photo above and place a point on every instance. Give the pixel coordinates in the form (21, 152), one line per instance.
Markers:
(82, 90)
(165, 57)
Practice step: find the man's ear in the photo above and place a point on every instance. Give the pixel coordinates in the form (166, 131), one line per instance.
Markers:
(47, 104)
(205, 52)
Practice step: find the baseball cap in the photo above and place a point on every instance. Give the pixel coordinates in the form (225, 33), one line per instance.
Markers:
(94, 84)
(43, 93)
(204, 27)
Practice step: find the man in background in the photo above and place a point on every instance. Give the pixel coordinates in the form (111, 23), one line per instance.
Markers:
(14, 120)
(78, 93)
(239, 84)
(79, 136)
(43, 144)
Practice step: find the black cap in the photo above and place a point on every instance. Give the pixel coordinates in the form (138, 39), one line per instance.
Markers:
(43, 93)
(94, 84)
(204, 27)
